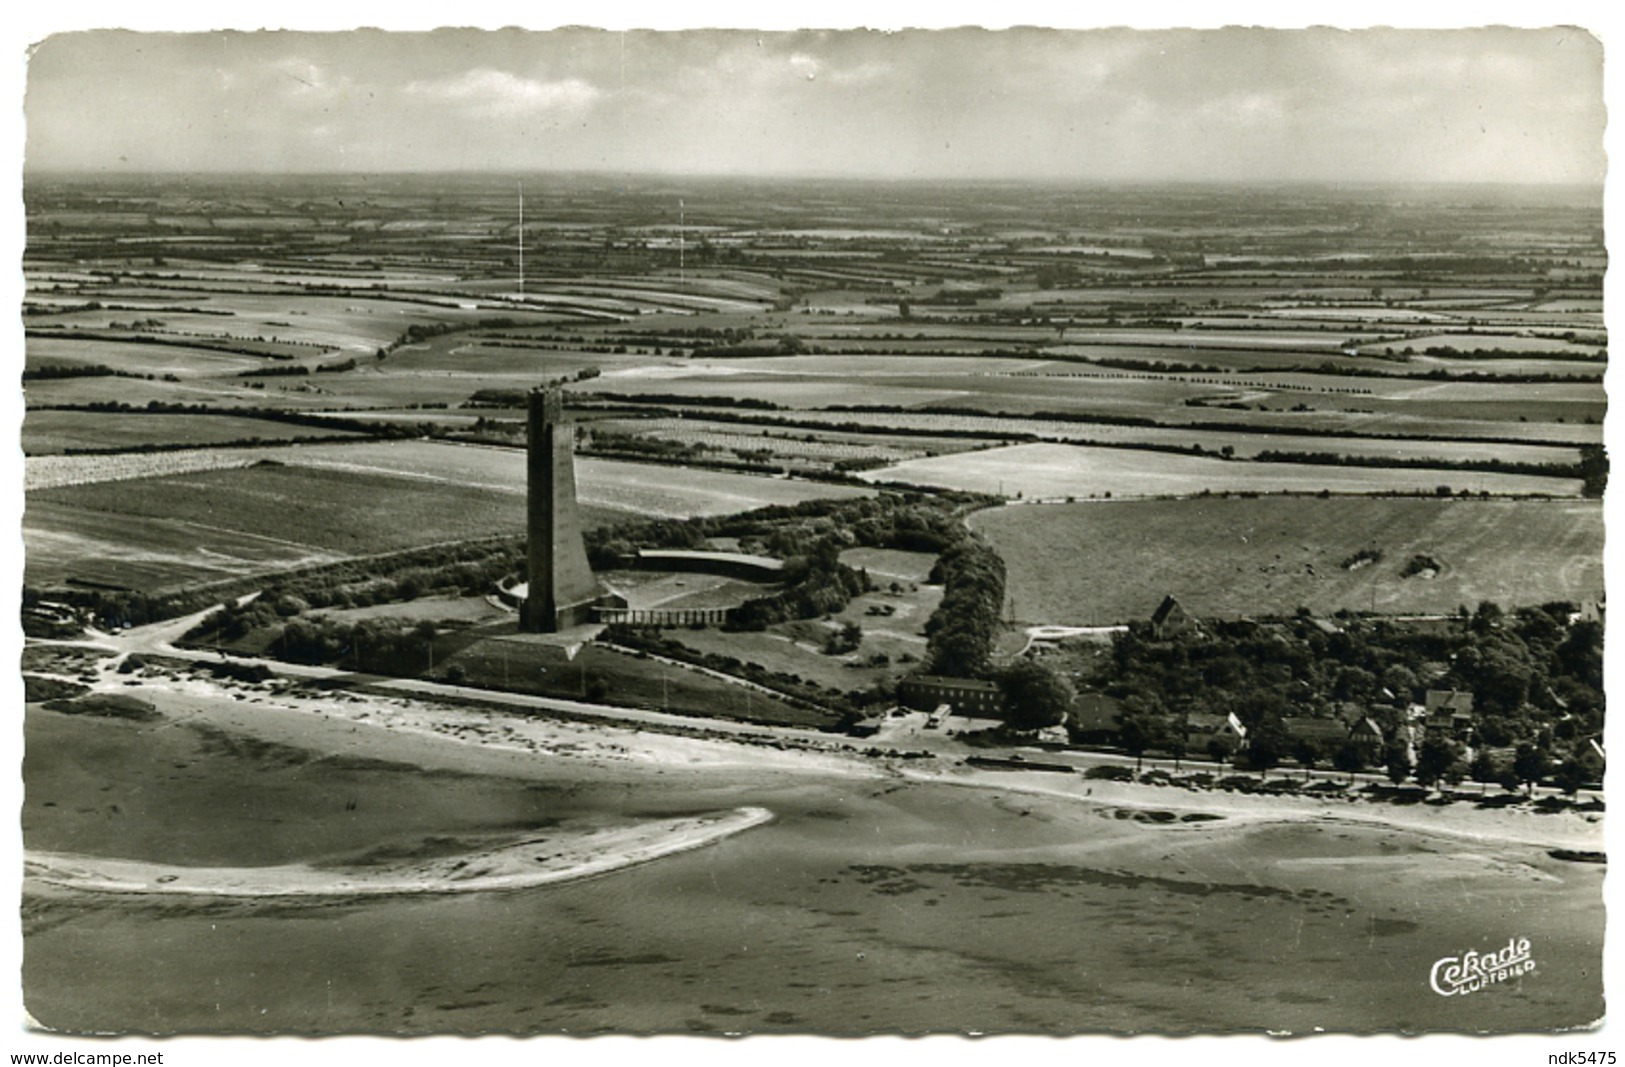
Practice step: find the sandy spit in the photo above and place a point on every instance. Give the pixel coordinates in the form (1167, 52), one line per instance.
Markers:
(531, 861)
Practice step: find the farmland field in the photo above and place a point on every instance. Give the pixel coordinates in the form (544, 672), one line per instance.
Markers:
(989, 428)
(158, 532)
(136, 358)
(1051, 471)
(46, 432)
(56, 472)
(177, 516)
(1111, 561)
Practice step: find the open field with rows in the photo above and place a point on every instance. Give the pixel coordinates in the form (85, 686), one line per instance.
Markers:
(988, 428)
(58, 472)
(1052, 471)
(46, 432)
(156, 532)
(1113, 561)
(134, 357)
(222, 512)
(605, 483)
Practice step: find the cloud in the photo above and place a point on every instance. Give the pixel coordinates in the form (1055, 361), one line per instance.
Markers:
(1220, 104)
(497, 93)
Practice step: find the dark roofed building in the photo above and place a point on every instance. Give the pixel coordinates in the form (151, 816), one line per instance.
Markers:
(1367, 734)
(1450, 710)
(1451, 700)
(1094, 718)
(1202, 729)
(1171, 619)
(966, 696)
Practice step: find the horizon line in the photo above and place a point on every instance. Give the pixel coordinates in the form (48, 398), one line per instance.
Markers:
(810, 176)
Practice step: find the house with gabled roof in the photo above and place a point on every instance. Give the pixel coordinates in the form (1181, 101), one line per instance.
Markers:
(1202, 728)
(1450, 711)
(1368, 735)
(1171, 620)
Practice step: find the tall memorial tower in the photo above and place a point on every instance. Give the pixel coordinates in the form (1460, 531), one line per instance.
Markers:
(562, 586)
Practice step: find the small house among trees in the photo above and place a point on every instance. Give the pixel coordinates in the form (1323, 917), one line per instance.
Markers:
(1171, 620)
(1450, 712)
(1367, 736)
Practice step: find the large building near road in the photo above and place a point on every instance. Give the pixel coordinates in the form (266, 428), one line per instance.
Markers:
(970, 697)
(562, 586)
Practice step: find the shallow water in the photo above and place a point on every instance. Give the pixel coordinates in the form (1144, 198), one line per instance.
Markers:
(866, 906)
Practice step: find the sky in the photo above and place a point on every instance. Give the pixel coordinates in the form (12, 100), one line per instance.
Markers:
(1461, 105)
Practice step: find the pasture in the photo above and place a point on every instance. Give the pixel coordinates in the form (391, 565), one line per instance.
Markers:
(1058, 471)
(1113, 561)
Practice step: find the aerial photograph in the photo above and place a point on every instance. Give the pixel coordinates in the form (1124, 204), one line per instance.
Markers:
(812, 532)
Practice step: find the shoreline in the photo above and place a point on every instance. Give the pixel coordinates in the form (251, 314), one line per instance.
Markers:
(422, 733)
(1236, 810)
(500, 867)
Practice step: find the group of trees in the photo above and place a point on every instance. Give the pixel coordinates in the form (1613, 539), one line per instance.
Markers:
(1442, 760)
(390, 646)
(1035, 695)
(960, 633)
(1535, 676)
(1528, 670)
(1593, 470)
(384, 645)
(392, 578)
(419, 332)
(815, 584)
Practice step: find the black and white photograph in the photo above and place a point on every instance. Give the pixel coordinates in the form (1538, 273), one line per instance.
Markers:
(572, 529)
